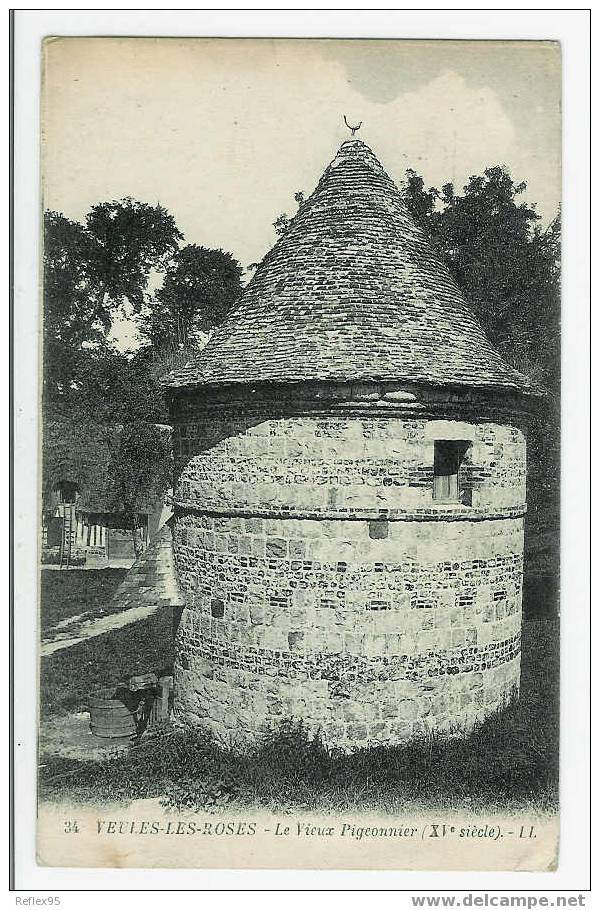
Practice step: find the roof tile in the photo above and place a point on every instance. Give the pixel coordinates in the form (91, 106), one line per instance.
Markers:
(352, 291)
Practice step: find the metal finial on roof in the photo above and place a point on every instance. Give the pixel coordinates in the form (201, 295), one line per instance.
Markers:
(353, 129)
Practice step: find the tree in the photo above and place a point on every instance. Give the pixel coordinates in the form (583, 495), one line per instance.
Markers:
(91, 271)
(112, 437)
(141, 468)
(104, 411)
(131, 239)
(282, 224)
(421, 202)
(503, 262)
(283, 221)
(508, 268)
(506, 265)
(75, 318)
(199, 288)
(118, 388)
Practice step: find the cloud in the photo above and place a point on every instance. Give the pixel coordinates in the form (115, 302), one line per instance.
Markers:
(224, 132)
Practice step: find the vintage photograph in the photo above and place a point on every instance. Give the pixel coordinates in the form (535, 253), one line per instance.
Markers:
(300, 453)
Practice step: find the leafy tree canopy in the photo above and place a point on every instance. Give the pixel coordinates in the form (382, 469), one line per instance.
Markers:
(74, 316)
(90, 271)
(504, 262)
(103, 407)
(130, 239)
(199, 288)
(508, 267)
(142, 462)
(116, 388)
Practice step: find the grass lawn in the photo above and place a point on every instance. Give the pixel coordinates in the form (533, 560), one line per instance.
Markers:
(509, 762)
(71, 592)
(68, 677)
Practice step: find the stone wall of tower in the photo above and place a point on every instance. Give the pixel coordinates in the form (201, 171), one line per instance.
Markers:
(323, 582)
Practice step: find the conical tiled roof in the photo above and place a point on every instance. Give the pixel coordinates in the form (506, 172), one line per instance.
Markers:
(352, 291)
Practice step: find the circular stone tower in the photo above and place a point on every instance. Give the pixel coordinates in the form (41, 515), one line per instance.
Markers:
(350, 492)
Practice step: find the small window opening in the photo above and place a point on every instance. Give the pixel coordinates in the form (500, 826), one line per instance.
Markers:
(448, 479)
(217, 608)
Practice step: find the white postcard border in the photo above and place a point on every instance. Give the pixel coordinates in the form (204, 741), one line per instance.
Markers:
(570, 28)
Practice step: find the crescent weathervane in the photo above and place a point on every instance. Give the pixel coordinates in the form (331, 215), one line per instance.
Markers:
(353, 129)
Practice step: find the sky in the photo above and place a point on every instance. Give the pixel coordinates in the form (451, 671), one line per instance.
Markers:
(223, 132)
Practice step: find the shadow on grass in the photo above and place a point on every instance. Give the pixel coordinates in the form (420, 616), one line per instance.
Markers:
(72, 592)
(68, 677)
(510, 759)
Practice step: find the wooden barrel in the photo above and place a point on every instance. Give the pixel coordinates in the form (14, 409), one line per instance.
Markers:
(109, 717)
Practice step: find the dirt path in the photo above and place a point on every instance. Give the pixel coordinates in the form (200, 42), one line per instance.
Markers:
(149, 586)
(61, 636)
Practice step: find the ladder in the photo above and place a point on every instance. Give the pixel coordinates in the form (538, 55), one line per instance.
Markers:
(66, 542)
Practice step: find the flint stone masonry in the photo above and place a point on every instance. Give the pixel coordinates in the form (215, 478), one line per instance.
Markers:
(332, 463)
(294, 608)
(321, 580)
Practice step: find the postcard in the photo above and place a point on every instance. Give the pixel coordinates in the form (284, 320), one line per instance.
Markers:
(300, 454)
